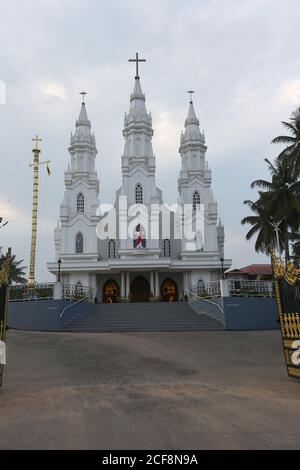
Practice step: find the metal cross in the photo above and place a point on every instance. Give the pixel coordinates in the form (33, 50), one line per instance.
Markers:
(83, 93)
(191, 95)
(37, 140)
(137, 60)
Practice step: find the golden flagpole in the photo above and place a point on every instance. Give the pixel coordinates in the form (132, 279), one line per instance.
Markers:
(35, 198)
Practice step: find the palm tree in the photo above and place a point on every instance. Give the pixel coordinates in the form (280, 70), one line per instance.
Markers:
(292, 142)
(262, 226)
(279, 202)
(16, 272)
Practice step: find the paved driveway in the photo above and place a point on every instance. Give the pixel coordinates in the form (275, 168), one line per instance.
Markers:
(202, 390)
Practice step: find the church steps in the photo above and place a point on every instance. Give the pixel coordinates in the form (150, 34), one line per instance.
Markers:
(139, 317)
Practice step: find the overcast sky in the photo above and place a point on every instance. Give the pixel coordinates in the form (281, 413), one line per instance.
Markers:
(242, 57)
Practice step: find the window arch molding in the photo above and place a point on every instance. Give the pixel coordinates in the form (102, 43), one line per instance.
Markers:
(139, 194)
(196, 201)
(80, 203)
(79, 243)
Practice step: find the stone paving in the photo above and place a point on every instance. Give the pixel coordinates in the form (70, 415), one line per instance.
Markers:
(200, 390)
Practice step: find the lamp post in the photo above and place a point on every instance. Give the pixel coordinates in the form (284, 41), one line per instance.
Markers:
(59, 264)
(276, 228)
(222, 266)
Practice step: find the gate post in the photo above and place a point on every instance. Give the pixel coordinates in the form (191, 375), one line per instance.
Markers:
(58, 291)
(224, 287)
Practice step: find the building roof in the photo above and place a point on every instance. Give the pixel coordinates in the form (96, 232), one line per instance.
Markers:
(254, 270)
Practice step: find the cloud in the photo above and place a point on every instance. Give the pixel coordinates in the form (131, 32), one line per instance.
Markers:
(52, 92)
(288, 94)
(242, 58)
(167, 138)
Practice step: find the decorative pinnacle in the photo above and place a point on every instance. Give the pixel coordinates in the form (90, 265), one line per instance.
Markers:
(37, 140)
(83, 93)
(190, 92)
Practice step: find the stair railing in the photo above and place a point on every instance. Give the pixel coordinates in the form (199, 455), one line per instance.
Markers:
(77, 302)
(195, 303)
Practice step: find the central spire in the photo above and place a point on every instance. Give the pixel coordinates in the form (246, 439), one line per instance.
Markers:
(137, 130)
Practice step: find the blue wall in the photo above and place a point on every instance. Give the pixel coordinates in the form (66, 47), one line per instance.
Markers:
(241, 313)
(39, 315)
(250, 313)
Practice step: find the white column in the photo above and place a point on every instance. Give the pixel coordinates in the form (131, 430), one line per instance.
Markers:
(94, 285)
(123, 286)
(152, 286)
(185, 281)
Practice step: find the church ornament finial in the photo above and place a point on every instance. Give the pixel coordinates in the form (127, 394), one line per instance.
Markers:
(137, 60)
(36, 139)
(83, 93)
(190, 92)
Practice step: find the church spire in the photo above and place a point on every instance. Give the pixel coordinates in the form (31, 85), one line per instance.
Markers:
(138, 130)
(83, 117)
(191, 117)
(83, 145)
(192, 148)
(192, 135)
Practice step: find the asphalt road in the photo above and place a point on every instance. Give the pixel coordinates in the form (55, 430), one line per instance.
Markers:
(200, 390)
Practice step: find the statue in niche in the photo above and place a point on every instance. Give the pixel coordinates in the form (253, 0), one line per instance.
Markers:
(199, 241)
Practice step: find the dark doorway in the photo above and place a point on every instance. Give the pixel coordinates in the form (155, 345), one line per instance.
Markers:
(140, 290)
(169, 291)
(111, 292)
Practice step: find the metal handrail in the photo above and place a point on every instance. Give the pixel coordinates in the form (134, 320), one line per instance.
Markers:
(205, 300)
(194, 304)
(77, 302)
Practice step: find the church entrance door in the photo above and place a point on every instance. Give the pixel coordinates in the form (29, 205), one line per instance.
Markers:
(111, 292)
(140, 290)
(169, 291)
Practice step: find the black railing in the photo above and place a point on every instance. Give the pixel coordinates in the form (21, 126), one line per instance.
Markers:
(19, 293)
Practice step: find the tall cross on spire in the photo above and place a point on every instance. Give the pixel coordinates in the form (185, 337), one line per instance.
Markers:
(137, 60)
(83, 93)
(37, 140)
(191, 95)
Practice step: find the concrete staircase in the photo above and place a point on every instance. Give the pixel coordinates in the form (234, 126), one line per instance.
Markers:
(152, 316)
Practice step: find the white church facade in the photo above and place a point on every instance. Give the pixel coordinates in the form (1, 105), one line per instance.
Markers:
(136, 261)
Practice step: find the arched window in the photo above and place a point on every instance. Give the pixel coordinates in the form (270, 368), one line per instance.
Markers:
(139, 194)
(79, 243)
(167, 248)
(80, 203)
(139, 237)
(78, 288)
(196, 201)
(111, 249)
